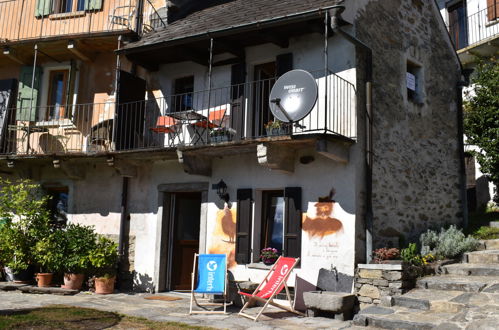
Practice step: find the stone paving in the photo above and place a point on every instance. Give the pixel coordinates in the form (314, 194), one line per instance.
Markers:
(176, 311)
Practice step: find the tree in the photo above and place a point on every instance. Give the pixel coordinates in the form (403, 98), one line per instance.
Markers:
(481, 118)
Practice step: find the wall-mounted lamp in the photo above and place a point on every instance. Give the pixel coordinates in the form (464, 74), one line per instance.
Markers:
(221, 188)
(10, 164)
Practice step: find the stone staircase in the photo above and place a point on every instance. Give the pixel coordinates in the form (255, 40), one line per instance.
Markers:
(464, 296)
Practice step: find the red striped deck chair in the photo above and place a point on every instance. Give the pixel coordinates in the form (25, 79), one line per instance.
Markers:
(271, 286)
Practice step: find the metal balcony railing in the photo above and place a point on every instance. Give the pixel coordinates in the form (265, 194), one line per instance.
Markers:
(473, 29)
(221, 115)
(38, 19)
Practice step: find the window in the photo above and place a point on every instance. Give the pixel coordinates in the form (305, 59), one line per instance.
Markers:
(414, 82)
(279, 225)
(272, 228)
(66, 6)
(458, 27)
(58, 205)
(183, 94)
(57, 97)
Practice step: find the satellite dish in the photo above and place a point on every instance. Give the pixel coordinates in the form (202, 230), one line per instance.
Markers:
(293, 96)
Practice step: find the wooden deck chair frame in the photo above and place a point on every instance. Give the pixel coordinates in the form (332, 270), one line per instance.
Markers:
(270, 300)
(204, 304)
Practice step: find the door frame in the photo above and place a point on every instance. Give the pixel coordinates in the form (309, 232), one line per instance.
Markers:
(164, 239)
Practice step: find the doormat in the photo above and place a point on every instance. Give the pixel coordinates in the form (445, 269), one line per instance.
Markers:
(164, 298)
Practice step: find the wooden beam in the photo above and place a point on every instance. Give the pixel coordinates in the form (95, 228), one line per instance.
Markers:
(11, 54)
(74, 49)
(148, 65)
(228, 61)
(195, 56)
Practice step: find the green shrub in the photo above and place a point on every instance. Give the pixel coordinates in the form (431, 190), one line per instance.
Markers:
(104, 257)
(49, 252)
(411, 255)
(486, 232)
(80, 241)
(448, 244)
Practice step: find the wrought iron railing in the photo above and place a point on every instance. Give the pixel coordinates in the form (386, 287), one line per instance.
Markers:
(220, 115)
(472, 29)
(38, 19)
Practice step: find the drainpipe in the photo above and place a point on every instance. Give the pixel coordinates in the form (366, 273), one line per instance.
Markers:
(460, 144)
(336, 23)
(124, 216)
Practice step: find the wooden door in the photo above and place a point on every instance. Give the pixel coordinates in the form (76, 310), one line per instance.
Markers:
(185, 238)
(264, 75)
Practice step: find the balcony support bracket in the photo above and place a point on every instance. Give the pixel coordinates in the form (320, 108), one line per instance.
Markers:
(12, 54)
(194, 164)
(336, 151)
(124, 168)
(276, 157)
(70, 169)
(72, 47)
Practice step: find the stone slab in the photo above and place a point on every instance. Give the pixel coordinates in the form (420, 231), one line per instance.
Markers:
(494, 224)
(11, 286)
(334, 281)
(492, 244)
(370, 291)
(483, 257)
(49, 290)
(380, 266)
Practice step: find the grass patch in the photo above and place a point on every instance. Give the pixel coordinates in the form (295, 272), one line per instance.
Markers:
(486, 233)
(65, 317)
(479, 224)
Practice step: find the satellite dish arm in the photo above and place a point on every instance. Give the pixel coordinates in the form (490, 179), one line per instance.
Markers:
(277, 102)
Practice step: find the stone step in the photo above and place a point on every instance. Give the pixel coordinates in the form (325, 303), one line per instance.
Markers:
(460, 283)
(491, 244)
(10, 286)
(48, 290)
(482, 257)
(399, 318)
(472, 269)
(436, 300)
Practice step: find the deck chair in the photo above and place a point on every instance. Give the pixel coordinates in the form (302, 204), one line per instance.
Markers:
(271, 286)
(210, 279)
(215, 120)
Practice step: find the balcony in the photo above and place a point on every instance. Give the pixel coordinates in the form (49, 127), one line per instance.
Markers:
(229, 116)
(475, 33)
(32, 20)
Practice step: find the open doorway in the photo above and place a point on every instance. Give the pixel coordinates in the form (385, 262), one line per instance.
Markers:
(264, 79)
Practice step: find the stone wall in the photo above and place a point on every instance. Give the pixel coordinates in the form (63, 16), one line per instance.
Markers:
(416, 172)
(373, 282)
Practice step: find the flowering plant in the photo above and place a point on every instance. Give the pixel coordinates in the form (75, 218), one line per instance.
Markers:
(269, 255)
(273, 124)
(380, 255)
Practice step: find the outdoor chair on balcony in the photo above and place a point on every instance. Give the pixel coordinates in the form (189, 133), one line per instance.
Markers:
(215, 119)
(271, 286)
(168, 125)
(122, 16)
(210, 278)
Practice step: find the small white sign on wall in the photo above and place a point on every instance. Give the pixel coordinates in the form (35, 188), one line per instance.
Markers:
(411, 81)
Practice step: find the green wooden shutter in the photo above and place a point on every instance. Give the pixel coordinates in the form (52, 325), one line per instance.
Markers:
(93, 4)
(43, 8)
(292, 222)
(26, 106)
(243, 226)
(284, 63)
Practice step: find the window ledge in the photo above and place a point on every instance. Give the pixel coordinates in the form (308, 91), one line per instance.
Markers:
(259, 265)
(73, 14)
(494, 22)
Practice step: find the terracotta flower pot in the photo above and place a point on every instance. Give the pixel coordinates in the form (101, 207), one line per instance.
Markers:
(104, 285)
(73, 281)
(44, 279)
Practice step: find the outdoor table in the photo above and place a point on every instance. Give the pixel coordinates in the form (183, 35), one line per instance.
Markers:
(188, 117)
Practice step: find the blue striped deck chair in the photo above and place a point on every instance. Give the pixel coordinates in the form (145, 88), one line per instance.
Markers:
(210, 279)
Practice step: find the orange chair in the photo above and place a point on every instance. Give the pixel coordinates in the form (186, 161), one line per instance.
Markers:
(215, 119)
(168, 125)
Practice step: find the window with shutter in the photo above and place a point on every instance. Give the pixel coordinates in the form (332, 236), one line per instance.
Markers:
(243, 225)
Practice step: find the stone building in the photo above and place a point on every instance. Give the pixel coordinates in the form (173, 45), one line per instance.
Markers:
(182, 152)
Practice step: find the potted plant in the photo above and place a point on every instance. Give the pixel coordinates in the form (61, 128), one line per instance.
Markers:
(79, 242)
(49, 255)
(386, 255)
(221, 134)
(276, 127)
(269, 255)
(104, 258)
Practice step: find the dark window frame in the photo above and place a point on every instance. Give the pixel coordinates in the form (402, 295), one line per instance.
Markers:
(183, 94)
(267, 210)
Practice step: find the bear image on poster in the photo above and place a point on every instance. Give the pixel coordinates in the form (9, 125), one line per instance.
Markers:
(322, 223)
(224, 234)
